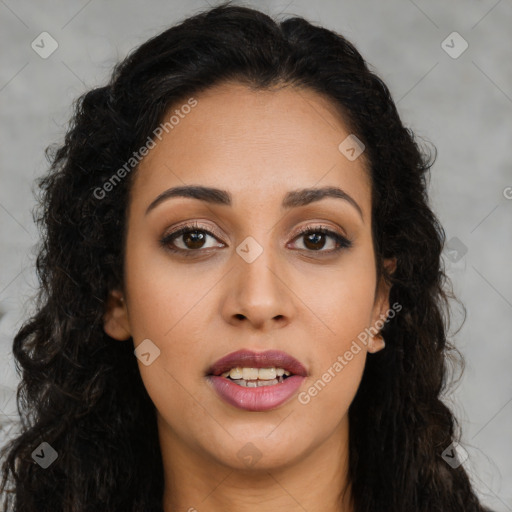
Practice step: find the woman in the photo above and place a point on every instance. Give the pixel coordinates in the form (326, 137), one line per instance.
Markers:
(242, 298)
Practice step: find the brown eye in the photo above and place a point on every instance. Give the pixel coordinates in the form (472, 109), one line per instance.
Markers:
(191, 238)
(315, 239)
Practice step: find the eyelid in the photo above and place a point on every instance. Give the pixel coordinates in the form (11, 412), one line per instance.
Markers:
(191, 226)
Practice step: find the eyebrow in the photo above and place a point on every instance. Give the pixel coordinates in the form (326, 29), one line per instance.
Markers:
(292, 199)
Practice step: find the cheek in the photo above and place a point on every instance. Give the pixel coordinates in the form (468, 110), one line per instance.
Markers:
(339, 351)
(165, 303)
(339, 301)
(343, 307)
(329, 393)
(170, 319)
(339, 347)
(162, 293)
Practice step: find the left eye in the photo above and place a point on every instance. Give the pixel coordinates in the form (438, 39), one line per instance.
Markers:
(193, 238)
(316, 236)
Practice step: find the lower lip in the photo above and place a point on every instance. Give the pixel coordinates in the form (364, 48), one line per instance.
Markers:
(256, 399)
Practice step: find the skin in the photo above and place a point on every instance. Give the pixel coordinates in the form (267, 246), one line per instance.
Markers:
(258, 146)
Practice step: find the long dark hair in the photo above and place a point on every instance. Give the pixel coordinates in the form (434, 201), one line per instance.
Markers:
(81, 391)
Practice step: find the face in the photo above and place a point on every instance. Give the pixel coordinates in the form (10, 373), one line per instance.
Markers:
(247, 278)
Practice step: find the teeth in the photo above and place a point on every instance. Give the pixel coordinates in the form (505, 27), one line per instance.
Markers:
(267, 373)
(235, 373)
(253, 374)
(256, 383)
(250, 373)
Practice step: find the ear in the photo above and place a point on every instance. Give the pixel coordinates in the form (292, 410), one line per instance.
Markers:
(381, 306)
(115, 320)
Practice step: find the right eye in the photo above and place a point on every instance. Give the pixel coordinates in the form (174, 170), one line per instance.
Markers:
(193, 239)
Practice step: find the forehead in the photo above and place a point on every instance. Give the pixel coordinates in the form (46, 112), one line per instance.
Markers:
(262, 141)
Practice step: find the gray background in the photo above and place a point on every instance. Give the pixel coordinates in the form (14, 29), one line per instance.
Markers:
(462, 105)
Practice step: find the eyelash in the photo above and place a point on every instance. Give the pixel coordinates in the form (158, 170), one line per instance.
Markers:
(166, 241)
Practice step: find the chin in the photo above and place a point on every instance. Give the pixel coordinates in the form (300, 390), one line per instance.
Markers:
(260, 454)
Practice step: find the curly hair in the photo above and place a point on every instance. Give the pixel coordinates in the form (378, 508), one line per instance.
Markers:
(81, 391)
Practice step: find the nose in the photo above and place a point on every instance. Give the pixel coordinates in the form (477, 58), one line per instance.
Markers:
(258, 295)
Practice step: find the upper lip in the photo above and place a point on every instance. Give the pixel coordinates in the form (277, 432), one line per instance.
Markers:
(249, 359)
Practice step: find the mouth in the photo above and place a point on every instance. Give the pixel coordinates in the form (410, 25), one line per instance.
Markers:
(256, 381)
